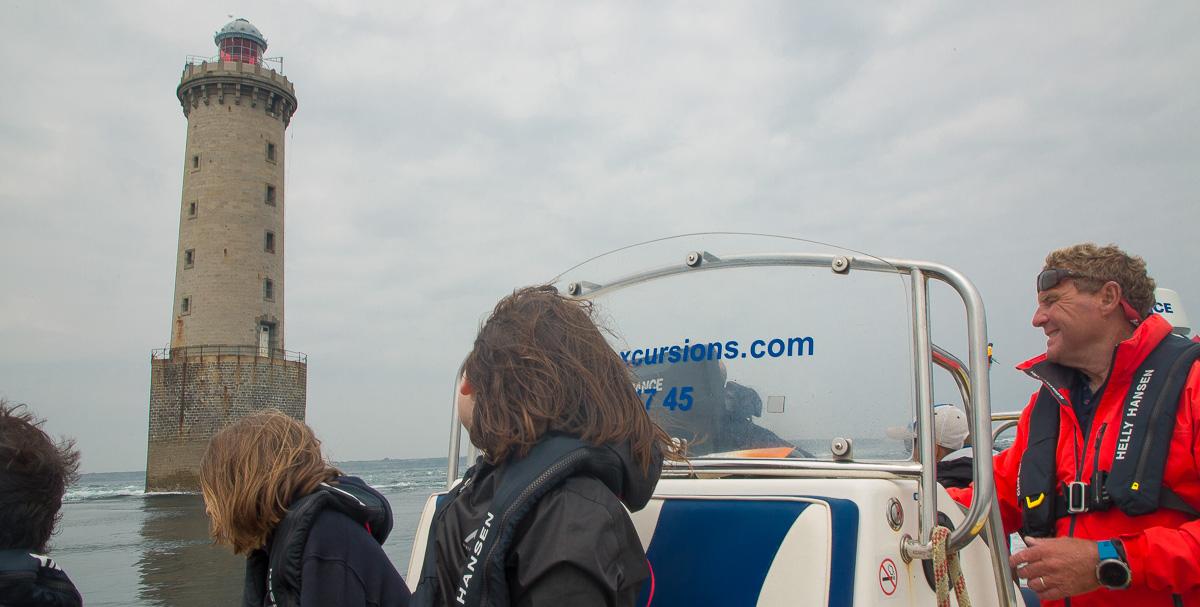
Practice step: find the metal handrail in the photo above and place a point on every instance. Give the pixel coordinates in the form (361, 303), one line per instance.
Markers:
(994, 529)
(919, 272)
(958, 370)
(1007, 420)
(226, 350)
(983, 504)
(263, 61)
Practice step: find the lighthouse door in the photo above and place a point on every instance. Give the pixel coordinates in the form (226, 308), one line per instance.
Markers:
(264, 338)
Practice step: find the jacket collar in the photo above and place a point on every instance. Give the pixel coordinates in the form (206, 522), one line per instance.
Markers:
(1129, 354)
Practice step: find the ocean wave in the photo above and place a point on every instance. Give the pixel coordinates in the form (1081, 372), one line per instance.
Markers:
(85, 494)
(393, 476)
(91, 494)
(385, 486)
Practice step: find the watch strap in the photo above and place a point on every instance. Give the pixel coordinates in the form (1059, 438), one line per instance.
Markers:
(1108, 551)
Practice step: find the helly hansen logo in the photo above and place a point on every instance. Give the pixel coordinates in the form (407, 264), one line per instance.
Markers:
(1131, 412)
(479, 535)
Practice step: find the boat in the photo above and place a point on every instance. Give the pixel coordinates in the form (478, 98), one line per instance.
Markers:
(781, 364)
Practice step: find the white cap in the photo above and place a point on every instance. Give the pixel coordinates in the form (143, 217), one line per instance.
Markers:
(949, 428)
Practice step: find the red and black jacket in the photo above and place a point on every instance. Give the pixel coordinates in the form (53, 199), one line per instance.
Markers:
(1168, 537)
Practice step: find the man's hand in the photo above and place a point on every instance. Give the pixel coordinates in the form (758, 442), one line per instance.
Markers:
(1058, 567)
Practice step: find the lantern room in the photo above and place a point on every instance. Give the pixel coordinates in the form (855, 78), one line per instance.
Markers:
(240, 41)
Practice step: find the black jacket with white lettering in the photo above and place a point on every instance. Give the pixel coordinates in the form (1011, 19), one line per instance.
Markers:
(576, 546)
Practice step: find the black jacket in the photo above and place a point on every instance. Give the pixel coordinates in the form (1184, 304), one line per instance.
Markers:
(28, 580)
(957, 472)
(576, 545)
(327, 551)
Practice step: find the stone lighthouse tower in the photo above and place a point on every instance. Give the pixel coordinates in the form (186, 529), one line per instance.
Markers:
(227, 356)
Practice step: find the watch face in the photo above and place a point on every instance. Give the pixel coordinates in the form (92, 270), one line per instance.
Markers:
(1113, 574)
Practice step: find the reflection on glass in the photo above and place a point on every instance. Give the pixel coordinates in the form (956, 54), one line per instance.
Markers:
(180, 566)
(749, 361)
(695, 403)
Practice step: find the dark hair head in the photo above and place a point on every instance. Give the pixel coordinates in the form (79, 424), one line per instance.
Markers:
(34, 474)
(539, 365)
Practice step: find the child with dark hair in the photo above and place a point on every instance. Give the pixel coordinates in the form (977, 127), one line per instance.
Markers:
(34, 474)
(567, 446)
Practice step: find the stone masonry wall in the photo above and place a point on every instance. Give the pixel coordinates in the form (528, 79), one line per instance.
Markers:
(235, 151)
(191, 398)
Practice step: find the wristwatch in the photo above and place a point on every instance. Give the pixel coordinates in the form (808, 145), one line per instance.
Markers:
(1112, 572)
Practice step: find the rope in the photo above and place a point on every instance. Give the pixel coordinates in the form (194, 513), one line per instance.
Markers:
(946, 571)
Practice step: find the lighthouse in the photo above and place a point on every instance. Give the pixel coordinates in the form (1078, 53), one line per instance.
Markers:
(227, 355)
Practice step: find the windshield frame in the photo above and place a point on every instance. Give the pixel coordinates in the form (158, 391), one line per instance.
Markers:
(977, 386)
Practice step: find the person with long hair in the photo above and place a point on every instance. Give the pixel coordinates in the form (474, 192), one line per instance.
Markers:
(311, 536)
(567, 446)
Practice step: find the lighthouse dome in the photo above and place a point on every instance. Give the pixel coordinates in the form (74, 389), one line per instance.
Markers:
(240, 28)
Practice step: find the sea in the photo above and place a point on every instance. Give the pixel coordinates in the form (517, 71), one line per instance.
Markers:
(125, 547)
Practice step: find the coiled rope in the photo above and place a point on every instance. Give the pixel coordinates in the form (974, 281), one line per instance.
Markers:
(946, 571)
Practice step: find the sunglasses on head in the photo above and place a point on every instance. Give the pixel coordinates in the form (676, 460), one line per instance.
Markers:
(1050, 278)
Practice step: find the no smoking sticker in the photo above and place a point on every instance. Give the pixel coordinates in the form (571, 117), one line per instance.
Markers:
(888, 577)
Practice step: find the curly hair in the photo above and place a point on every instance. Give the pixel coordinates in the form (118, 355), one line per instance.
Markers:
(1098, 265)
(540, 364)
(34, 474)
(253, 470)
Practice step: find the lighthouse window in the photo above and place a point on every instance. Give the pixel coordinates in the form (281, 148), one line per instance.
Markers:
(271, 152)
(270, 195)
(195, 162)
(269, 242)
(268, 289)
(192, 209)
(189, 258)
(240, 49)
(185, 305)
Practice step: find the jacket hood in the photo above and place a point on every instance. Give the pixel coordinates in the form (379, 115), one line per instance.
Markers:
(363, 503)
(614, 466)
(280, 566)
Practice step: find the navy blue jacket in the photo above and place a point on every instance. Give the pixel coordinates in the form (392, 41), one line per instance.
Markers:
(328, 551)
(344, 565)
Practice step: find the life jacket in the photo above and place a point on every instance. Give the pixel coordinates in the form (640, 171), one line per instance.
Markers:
(275, 572)
(526, 480)
(1134, 483)
(29, 580)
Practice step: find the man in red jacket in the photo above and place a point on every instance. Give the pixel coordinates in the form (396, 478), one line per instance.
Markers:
(1103, 479)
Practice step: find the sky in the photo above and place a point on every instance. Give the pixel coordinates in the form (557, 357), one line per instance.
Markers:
(446, 152)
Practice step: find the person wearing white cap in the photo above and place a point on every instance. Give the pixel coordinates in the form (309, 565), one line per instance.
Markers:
(954, 461)
(949, 435)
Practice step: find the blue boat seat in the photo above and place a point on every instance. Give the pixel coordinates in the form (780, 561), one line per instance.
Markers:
(749, 551)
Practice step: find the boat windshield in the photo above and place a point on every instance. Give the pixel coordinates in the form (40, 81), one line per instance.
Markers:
(760, 347)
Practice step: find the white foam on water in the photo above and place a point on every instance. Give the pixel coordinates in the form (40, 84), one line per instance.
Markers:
(91, 492)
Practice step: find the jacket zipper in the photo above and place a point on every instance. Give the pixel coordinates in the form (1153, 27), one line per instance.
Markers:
(1098, 396)
(1078, 460)
(537, 482)
(1099, 439)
